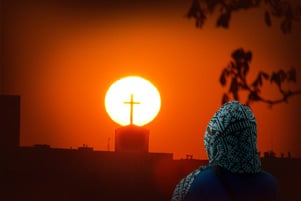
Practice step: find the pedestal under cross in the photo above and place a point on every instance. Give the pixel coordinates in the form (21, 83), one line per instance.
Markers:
(131, 102)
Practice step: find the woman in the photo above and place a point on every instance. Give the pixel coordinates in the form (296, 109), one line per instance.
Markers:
(234, 170)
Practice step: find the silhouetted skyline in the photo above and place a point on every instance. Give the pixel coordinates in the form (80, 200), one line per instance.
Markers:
(130, 172)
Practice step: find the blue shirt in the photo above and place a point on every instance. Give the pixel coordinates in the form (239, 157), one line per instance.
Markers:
(208, 186)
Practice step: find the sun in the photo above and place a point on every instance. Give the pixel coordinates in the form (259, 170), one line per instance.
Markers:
(132, 100)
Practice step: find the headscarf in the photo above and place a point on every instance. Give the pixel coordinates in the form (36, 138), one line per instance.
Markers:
(230, 139)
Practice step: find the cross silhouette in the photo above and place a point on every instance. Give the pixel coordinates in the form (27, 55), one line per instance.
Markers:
(131, 102)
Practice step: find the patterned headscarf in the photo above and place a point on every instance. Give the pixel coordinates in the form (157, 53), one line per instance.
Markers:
(230, 139)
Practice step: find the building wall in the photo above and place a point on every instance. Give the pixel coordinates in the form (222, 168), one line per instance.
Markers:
(9, 122)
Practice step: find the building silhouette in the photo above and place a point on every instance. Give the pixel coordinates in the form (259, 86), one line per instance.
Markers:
(131, 139)
(128, 173)
(9, 122)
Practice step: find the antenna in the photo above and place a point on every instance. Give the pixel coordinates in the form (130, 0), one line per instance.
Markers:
(108, 145)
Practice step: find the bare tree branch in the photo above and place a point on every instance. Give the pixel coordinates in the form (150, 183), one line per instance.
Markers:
(237, 71)
(283, 9)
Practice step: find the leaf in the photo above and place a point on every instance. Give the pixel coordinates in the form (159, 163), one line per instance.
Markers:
(245, 70)
(225, 99)
(196, 12)
(211, 5)
(245, 4)
(276, 78)
(232, 65)
(282, 75)
(254, 96)
(223, 20)
(258, 82)
(267, 19)
(239, 67)
(240, 55)
(276, 8)
(265, 75)
(255, 84)
(291, 75)
(194, 9)
(222, 78)
(248, 56)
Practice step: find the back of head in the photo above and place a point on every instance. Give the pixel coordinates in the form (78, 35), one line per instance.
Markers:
(230, 139)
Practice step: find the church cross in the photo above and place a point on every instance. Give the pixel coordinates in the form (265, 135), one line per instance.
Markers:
(131, 102)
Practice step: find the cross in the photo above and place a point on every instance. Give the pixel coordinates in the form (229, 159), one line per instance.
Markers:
(131, 102)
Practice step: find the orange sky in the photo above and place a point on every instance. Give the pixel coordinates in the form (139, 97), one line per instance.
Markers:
(61, 60)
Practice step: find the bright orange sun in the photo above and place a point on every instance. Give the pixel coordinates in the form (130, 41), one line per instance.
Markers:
(132, 100)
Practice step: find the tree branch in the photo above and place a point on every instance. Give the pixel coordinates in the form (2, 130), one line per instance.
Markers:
(237, 71)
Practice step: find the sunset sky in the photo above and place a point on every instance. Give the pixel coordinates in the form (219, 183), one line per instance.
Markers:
(62, 57)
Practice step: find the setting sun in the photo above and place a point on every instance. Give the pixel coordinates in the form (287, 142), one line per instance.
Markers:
(132, 100)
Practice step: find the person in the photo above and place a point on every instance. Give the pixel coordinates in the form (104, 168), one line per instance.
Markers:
(234, 171)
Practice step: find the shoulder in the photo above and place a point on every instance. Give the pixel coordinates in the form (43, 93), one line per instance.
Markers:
(268, 181)
(268, 176)
(267, 186)
(206, 185)
(182, 188)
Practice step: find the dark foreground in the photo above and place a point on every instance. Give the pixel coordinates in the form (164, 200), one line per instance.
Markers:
(47, 174)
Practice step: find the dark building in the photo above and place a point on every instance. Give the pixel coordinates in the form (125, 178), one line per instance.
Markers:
(131, 139)
(9, 122)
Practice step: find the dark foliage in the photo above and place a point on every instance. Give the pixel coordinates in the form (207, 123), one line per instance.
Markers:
(237, 71)
(283, 9)
(197, 13)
